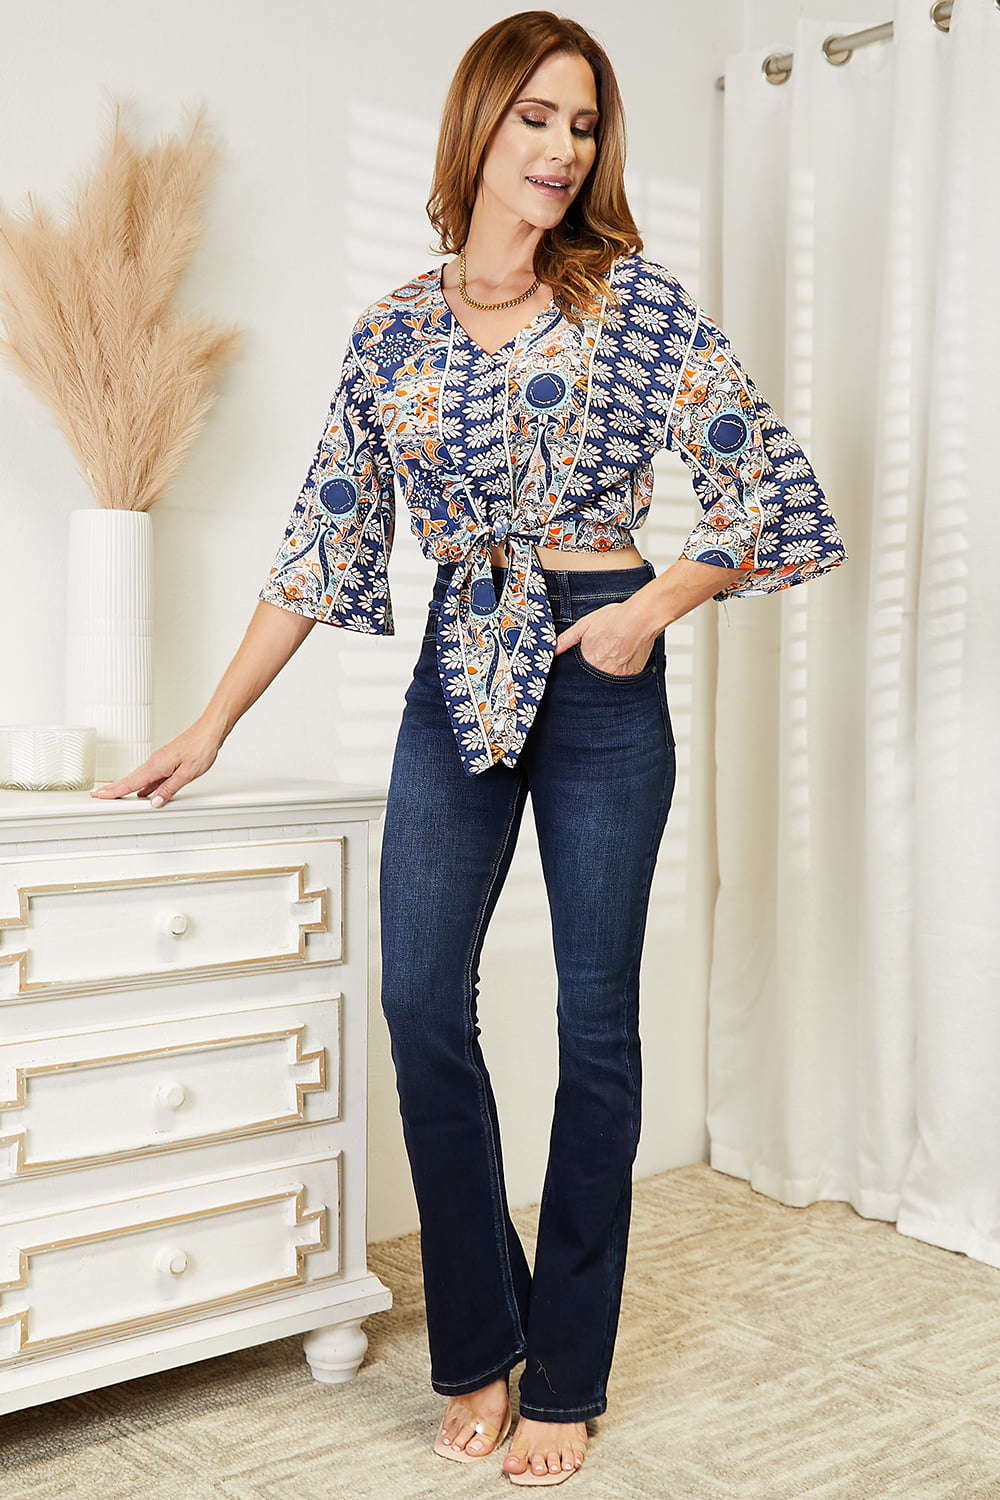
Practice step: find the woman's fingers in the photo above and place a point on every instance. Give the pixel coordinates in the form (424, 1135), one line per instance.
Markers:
(193, 763)
(187, 771)
(569, 636)
(151, 781)
(603, 624)
(606, 641)
(166, 770)
(142, 780)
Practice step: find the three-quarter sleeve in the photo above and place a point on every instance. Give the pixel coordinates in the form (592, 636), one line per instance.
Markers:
(763, 510)
(333, 562)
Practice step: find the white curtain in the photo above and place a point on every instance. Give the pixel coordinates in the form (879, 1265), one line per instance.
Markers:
(854, 1034)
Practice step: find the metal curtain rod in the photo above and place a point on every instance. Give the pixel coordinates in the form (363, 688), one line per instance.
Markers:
(777, 67)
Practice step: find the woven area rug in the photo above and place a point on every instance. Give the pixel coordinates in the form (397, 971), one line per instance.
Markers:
(766, 1353)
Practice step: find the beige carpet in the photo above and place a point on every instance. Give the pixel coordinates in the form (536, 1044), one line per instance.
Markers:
(766, 1353)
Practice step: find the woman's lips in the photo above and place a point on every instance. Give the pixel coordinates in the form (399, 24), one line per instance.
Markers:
(550, 187)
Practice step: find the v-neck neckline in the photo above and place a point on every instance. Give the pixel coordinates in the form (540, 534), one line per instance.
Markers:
(459, 327)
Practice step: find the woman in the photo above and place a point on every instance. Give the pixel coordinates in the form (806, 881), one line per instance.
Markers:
(518, 397)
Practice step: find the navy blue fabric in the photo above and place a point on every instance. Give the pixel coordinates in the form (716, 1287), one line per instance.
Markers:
(598, 766)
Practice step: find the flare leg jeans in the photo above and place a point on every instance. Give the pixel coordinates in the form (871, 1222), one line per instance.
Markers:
(598, 764)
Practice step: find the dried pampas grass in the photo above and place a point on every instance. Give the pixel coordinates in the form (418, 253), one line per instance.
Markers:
(87, 316)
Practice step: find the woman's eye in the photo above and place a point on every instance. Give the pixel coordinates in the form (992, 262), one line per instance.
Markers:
(578, 130)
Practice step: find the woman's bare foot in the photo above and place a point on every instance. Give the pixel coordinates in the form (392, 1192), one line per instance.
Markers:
(546, 1447)
(490, 1404)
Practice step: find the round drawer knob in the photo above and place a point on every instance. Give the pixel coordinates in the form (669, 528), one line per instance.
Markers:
(172, 1095)
(173, 1261)
(176, 925)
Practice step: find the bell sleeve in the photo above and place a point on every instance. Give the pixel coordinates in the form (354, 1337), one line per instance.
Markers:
(763, 510)
(333, 562)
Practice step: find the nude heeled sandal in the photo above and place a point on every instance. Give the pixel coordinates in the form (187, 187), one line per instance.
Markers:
(547, 1478)
(485, 1429)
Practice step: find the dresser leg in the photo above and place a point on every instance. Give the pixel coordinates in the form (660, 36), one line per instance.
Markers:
(334, 1354)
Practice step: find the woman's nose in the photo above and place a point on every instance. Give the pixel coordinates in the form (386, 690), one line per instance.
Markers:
(562, 148)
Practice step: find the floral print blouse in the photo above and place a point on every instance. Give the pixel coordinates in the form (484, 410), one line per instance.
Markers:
(547, 442)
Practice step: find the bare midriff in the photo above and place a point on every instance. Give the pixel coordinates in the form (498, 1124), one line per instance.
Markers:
(565, 561)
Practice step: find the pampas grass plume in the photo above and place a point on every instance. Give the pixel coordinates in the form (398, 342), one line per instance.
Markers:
(88, 318)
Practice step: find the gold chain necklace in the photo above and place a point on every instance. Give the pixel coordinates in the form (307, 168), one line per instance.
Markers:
(490, 306)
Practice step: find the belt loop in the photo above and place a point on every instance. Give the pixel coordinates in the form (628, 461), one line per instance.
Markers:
(565, 596)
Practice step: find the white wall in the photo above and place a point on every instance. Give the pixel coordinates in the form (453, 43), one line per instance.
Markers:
(772, 22)
(328, 113)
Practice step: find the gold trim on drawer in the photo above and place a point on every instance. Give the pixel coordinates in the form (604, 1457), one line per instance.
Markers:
(20, 1101)
(27, 1345)
(26, 893)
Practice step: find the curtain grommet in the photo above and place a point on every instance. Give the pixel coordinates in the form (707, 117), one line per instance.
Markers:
(835, 54)
(777, 68)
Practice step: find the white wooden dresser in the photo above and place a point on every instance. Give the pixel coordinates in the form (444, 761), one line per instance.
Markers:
(183, 1020)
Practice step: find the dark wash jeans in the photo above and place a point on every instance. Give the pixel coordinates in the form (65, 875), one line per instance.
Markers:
(598, 763)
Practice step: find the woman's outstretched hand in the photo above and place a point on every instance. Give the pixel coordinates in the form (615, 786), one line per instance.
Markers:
(169, 768)
(272, 636)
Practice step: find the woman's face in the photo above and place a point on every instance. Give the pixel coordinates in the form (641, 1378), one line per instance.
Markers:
(544, 146)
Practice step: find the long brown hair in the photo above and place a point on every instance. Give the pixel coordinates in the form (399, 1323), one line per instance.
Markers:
(574, 258)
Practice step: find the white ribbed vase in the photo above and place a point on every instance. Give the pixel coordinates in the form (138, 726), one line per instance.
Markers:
(109, 643)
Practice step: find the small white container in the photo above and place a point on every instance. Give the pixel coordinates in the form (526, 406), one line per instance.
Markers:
(47, 758)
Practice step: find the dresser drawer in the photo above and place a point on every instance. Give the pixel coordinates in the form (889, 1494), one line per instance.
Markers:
(75, 1100)
(98, 920)
(98, 1272)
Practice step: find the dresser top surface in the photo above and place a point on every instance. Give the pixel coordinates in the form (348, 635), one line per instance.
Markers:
(215, 792)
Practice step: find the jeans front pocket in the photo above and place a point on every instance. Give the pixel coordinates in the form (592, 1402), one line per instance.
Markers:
(620, 677)
(595, 599)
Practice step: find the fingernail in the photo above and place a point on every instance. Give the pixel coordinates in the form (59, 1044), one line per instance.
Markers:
(156, 801)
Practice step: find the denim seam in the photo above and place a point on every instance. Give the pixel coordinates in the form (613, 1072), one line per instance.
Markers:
(661, 685)
(562, 1414)
(606, 596)
(623, 677)
(564, 584)
(615, 595)
(633, 976)
(477, 933)
(447, 1387)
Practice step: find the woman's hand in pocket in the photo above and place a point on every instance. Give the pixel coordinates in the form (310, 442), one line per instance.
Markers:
(612, 639)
